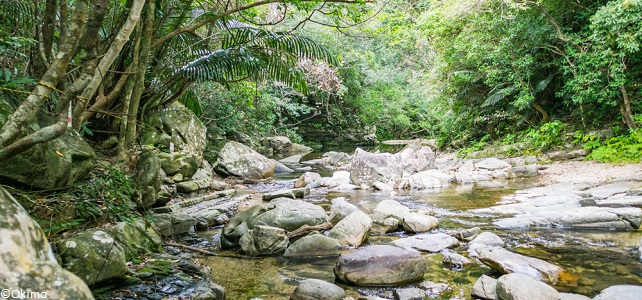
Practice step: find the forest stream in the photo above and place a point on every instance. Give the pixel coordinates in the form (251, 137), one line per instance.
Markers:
(592, 259)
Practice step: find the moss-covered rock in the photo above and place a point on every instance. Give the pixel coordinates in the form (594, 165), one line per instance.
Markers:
(177, 125)
(148, 178)
(93, 255)
(136, 238)
(26, 259)
(185, 164)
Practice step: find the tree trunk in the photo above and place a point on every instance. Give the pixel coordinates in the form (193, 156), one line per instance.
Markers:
(139, 88)
(107, 60)
(18, 122)
(126, 98)
(625, 109)
(541, 111)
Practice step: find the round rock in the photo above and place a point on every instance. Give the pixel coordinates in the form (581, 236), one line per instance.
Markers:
(380, 265)
(315, 289)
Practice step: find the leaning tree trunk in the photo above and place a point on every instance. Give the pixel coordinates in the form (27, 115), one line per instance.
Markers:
(17, 124)
(107, 60)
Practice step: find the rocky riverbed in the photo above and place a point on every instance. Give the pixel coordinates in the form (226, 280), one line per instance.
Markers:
(370, 225)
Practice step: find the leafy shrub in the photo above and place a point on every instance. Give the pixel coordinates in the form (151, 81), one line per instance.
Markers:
(617, 149)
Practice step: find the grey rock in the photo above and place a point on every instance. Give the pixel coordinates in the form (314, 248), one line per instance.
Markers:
(315, 289)
(27, 260)
(429, 242)
(314, 245)
(264, 240)
(294, 159)
(568, 296)
(93, 255)
(508, 262)
(290, 193)
(620, 292)
(454, 260)
(488, 239)
(525, 171)
(389, 209)
(380, 265)
(353, 230)
(340, 208)
(492, 164)
(485, 288)
(207, 290)
(369, 167)
(417, 223)
(173, 224)
(409, 294)
(467, 234)
(148, 179)
(184, 163)
(306, 179)
(522, 287)
(193, 186)
(179, 126)
(240, 160)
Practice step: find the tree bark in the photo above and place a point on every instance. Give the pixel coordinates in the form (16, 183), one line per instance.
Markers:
(18, 122)
(625, 109)
(139, 88)
(108, 59)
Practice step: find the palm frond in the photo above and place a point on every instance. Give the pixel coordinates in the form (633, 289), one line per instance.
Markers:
(542, 84)
(497, 95)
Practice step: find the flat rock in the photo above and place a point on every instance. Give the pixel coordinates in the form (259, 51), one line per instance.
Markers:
(508, 262)
(429, 242)
(620, 292)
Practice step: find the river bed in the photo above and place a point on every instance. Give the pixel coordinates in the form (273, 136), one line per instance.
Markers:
(592, 260)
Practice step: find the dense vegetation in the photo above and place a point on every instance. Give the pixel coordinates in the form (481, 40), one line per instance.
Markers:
(467, 73)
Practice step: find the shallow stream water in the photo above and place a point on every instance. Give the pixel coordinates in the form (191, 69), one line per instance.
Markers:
(592, 260)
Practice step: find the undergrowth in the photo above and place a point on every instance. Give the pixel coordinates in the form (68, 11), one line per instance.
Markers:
(104, 196)
(619, 149)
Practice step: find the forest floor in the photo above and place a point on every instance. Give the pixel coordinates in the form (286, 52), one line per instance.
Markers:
(589, 172)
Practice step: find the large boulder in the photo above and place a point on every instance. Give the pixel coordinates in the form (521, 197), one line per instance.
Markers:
(264, 240)
(182, 163)
(388, 214)
(282, 146)
(521, 287)
(380, 265)
(353, 230)
(315, 289)
(283, 213)
(485, 288)
(367, 167)
(26, 259)
(176, 125)
(417, 223)
(314, 245)
(508, 262)
(174, 224)
(240, 160)
(148, 179)
(93, 255)
(136, 238)
(340, 208)
(52, 165)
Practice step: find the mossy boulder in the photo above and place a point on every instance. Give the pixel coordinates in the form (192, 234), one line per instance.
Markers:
(177, 125)
(136, 238)
(51, 165)
(26, 259)
(93, 255)
(185, 164)
(148, 179)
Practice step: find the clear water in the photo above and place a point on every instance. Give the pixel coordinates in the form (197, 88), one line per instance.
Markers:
(592, 260)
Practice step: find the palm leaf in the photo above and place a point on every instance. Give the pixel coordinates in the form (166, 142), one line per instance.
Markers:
(497, 95)
(542, 84)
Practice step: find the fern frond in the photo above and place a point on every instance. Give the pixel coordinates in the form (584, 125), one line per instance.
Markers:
(542, 84)
(497, 95)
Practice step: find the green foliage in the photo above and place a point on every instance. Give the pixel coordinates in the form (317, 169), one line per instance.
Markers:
(617, 149)
(104, 197)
